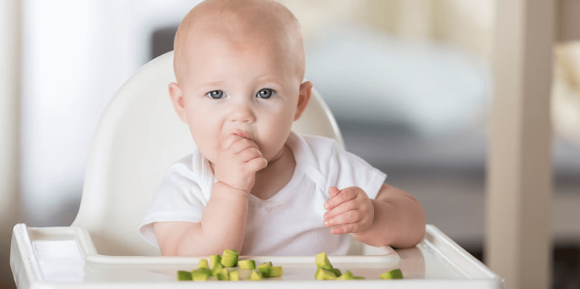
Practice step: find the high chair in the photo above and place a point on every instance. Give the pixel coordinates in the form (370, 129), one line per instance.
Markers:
(138, 138)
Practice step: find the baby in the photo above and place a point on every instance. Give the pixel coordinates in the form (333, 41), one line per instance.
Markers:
(252, 184)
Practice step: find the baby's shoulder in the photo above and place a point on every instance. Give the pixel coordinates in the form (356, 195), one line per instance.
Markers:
(322, 149)
(320, 145)
(183, 169)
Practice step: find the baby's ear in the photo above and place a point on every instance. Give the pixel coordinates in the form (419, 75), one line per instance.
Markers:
(303, 98)
(177, 100)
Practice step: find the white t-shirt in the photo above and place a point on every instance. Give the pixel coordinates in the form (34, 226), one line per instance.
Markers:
(290, 222)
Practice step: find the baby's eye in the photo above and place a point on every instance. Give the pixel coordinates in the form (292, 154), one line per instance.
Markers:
(216, 94)
(265, 93)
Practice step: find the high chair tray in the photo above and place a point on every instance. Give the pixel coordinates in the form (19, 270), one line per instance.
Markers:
(64, 257)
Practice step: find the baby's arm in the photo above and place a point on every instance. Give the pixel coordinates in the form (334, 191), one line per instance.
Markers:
(222, 226)
(223, 222)
(393, 218)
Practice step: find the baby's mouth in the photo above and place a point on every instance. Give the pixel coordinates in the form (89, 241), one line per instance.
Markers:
(242, 134)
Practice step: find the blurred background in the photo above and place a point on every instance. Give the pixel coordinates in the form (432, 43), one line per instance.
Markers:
(409, 83)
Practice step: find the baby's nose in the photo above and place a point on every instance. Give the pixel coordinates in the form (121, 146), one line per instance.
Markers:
(243, 113)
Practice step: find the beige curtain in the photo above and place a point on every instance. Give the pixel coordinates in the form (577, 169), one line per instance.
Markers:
(566, 91)
(469, 25)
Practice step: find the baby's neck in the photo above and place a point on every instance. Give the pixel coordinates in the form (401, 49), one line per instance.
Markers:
(275, 176)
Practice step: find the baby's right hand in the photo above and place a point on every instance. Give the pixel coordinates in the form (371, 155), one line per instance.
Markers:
(237, 162)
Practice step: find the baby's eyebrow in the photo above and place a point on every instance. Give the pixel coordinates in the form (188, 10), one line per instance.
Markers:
(213, 83)
(206, 86)
(209, 85)
(273, 80)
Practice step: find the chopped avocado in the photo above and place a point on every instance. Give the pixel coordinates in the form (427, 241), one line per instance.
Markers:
(234, 276)
(247, 264)
(216, 269)
(201, 274)
(255, 276)
(275, 271)
(393, 274)
(183, 276)
(223, 275)
(266, 264)
(264, 269)
(200, 278)
(202, 270)
(214, 259)
(202, 264)
(230, 258)
(323, 262)
(359, 277)
(323, 274)
(346, 276)
(336, 272)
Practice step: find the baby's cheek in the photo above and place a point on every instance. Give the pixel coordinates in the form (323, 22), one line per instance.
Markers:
(211, 156)
(206, 144)
(272, 147)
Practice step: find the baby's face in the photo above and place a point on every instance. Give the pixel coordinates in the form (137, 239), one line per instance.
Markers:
(248, 89)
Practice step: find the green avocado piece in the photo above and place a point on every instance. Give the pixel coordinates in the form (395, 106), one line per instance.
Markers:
(247, 264)
(393, 274)
(183, 276)
(275, 271)
(346, 276)
(200, 278)
(230, 258)
(201, 274)
(264, 269)
(223, 275)
(359, 277)
(266, 264)
(323, 262)
(323, 274)
(255, 276)
(202, 270)
(202, 264)
(336, 272)
(214, 259)
(216, 269)
(234, 276)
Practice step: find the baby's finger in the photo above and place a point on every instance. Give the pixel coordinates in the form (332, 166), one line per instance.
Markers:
(346, 229)
(249, 154)
(241, 144)
(349, 217)
(333, 191)
(229, 140)
(344, 196)
(342, 208)
(257, 164)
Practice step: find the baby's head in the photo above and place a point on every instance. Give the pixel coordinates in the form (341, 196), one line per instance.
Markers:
(239, 66)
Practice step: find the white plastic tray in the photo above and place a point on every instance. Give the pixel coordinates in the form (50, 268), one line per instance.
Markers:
(65, 257)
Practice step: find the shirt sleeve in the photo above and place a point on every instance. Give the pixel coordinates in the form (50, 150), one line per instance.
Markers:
(347, 170)
(178, 198)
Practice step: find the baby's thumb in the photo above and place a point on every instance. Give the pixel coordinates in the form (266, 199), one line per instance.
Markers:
(333, 192)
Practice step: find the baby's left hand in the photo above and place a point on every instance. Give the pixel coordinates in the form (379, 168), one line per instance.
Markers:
(350, 210)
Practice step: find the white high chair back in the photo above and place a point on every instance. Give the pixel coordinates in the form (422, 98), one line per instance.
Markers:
(138, 138)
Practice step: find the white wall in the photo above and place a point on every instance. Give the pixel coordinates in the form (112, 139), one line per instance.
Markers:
(76, 54)
(9, 90)
(9, 124)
